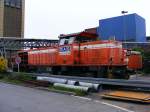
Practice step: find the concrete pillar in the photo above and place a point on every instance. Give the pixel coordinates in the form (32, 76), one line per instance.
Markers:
(23, 18)
(1, 17)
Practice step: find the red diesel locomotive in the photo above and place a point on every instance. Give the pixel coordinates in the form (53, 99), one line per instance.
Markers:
(83, 54)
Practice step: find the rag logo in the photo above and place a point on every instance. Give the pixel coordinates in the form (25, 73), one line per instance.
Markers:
(66, 50)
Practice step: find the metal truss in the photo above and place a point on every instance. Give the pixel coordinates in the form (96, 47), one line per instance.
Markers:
(17, 43)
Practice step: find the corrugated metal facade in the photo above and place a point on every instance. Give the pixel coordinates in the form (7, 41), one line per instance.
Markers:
(129, 27)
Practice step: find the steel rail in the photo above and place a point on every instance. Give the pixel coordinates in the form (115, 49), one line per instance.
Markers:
(139, 85)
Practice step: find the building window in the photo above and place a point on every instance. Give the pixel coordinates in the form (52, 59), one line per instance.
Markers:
(18, 3)
(13, 3)
(7, 2)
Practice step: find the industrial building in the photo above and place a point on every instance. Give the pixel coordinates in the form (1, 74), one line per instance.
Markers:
(123, 28)
(12, 18)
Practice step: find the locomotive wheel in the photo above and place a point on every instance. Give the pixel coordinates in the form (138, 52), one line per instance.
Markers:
(110, 76)
(126, 76)
(55, 70)
(102, 72)
(120, 73)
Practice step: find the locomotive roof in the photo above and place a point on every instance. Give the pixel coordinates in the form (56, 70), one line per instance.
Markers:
(80, 34)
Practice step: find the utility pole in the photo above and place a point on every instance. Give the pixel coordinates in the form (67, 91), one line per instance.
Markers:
(124, 26)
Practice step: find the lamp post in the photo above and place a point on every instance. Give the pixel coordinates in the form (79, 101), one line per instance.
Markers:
(124, 25)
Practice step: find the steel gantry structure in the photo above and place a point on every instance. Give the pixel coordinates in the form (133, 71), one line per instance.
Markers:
(17, 43)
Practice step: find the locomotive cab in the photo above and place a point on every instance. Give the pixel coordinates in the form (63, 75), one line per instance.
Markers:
(69, 47)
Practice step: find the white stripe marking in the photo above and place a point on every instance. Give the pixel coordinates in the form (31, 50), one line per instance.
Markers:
(115, 106)
(84, 98)
(37, 51)
(98, 46)
(104, 103)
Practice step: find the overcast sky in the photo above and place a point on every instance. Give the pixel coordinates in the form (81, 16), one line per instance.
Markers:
(49, 18)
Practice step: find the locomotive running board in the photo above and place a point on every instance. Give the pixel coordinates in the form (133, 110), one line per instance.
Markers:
(128, 96)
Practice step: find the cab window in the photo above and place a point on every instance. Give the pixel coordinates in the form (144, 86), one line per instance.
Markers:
(66, 41)
(71, 40)
(63, 41)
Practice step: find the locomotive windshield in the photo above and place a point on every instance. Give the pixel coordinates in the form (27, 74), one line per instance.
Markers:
(65, 41)
(71, 40)
(62, 41)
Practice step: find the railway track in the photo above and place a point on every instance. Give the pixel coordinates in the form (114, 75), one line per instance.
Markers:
(126, 84)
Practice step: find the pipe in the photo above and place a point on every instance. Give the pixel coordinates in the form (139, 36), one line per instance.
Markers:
(72, 82)
(90, 85)
(86, 89)
(97, 87)
(52, 80)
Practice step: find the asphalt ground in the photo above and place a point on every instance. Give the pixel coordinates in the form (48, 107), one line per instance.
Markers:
(14, 98)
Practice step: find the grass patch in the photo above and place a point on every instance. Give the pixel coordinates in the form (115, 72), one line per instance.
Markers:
(18, 78)
(75, 91)
(6, 79)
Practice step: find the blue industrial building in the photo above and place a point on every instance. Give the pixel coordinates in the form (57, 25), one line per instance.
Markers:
(123, 28)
